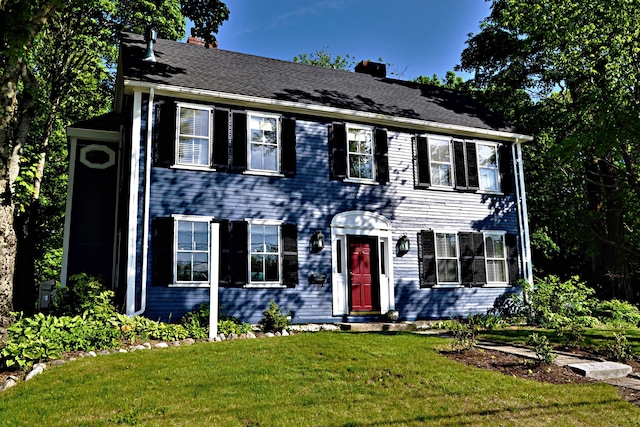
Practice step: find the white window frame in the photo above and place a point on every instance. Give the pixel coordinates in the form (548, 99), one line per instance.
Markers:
(209, 110)
(438, 257)
(278, 144)
(264, 284)
(432, 162)
(502, 235)
(192, 283)
(495, 170)
(370, 129)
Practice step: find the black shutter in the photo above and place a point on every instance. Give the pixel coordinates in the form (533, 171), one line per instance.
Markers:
(466, 258)
(473, 178)
(220, 157)
(427, 257)
(338, 151)
(479, 266)
(165, 133)
(423, 170)
(239, 143)
(163, 262)
(460, 165)
(511, 243)
(224, 266)
(382, 156)
(288, 153)
(289, 255)
(238, 253)
(506, 168)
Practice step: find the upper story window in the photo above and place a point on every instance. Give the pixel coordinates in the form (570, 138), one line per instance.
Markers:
(463, 165)
(193, 136)
(217, 138)
(360, 157)
(488, 170)
(358, 153)
(441, 162)
(264, 142)
(496, 257)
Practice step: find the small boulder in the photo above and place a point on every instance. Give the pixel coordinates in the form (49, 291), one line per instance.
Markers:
(11, 381)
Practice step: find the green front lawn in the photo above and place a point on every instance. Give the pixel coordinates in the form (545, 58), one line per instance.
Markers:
(323, 379)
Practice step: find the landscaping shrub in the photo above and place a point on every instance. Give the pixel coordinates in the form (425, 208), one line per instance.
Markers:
(273, 319)
(465, 335)
(542, 347)
(560, 304)
(617, 313)
(620, 350)
(77, 295)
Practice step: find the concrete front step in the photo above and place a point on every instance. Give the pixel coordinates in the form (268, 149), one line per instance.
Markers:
(601, 370)
(378, 326)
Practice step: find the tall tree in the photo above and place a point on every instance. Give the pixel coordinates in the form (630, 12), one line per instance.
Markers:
(578, 63)
(43, 76)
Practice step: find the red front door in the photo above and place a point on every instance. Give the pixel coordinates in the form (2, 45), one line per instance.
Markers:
(360, 280)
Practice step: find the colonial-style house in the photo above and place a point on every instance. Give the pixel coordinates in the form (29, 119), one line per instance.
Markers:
(234, 180)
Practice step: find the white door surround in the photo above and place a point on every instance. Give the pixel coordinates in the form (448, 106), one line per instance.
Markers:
(360, 223)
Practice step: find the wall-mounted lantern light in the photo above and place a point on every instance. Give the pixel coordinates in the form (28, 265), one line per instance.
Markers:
(403, 245)
(316, 243)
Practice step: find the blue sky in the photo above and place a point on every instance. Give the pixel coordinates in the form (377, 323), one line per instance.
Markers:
(417, 37)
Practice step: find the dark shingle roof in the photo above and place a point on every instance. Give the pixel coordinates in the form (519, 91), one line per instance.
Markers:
(191, 66)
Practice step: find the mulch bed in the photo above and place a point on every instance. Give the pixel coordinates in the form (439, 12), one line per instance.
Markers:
(510, 364)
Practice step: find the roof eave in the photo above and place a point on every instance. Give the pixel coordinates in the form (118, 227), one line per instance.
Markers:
(328, 112)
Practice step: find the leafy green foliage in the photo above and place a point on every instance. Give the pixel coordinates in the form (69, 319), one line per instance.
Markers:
(324, 58)
(542, 347)
(566, 72)
(511, 306)
(555, 303)
(465, 335)
(617, 313)
(273, 319)
(79, 295)
(620, 350)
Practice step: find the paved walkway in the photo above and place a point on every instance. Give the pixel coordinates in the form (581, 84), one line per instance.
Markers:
(631, 381)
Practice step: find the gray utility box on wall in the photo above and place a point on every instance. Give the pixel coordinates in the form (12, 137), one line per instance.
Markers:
(45, 293)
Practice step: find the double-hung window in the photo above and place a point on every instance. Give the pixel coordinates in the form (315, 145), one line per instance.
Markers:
(264, 142)
(360, 155)
(194, 136)
(447, 258)
(440, 162)
(488, 169)
(265, 253)
(496, 258)
(191, 251)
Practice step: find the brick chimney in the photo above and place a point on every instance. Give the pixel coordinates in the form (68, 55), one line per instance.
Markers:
(200, 42)
(375, 69)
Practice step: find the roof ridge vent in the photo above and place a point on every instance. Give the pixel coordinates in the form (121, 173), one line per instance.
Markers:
(376, 69)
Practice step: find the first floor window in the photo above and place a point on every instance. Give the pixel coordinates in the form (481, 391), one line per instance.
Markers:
(264, 143)
(192, 251)
(265, 253)
(194, 131)
(496, 257)
(466, 258)
(360, 157)
(447, 257)
(488, 171)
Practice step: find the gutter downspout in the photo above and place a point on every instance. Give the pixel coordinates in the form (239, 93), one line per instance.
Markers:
(145, 207)
(523, 215)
